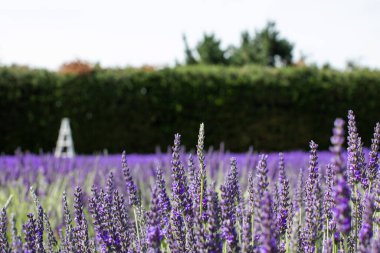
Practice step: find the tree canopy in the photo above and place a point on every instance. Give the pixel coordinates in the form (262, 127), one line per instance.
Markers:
(265, 47)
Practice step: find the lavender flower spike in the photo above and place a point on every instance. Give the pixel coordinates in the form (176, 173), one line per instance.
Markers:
(299, 192)
(213, 213)
(154, 233)
(267, 243)
(262, 177)
(354, 168)
(165, 205)
(247, 231)
(366, 230)
(342, 209)
(68, 239)
(181, 198)
(30, 235)
(81, 229)
(202, 168)
(3, 231)
(284, 200)
(311, 205)
(373, 164)
(131, 187)
(328, 198)
(337, 141)
(182, 211)
(230, 199)
(16, 239)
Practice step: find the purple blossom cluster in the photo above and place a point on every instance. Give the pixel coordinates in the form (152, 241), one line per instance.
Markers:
(264, 204)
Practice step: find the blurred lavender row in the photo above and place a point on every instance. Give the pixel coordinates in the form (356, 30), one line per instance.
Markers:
(203, 202)
(29, 166)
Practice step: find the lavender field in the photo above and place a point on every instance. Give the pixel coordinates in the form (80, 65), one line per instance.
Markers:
(196, 201)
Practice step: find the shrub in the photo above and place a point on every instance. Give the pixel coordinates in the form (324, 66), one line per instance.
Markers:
(133, 109)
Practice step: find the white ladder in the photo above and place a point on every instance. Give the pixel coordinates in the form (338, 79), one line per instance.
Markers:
(65, 144)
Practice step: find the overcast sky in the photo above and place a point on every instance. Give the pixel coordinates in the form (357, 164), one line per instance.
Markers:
(46, 33)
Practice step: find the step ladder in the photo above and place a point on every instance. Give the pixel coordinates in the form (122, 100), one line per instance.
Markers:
(65, 144)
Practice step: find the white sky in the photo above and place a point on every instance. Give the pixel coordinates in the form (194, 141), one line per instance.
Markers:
(46, 33)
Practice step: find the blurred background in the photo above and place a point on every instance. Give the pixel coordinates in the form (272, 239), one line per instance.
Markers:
(271, 75)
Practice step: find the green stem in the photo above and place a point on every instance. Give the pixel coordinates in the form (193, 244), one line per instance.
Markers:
(137, 225)
(201, 197)
(225, 247)
(253, 228)
(334, 248)
(345, 243)
(327, 228)
(356, 217)
(286, 244)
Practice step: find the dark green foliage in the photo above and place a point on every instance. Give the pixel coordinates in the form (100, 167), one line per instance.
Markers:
(189, 57)
(245, 54)
(209, 50)
(133, 110)
(266, 48)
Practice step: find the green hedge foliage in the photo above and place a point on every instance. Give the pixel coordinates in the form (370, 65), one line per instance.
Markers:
(136, 110)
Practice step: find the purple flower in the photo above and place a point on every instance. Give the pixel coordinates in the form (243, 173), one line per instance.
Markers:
(29, 229)
(81, 228)
(181, 203)
(3, 231)
(328, 198)
(311, 201)
(376, 197)
(354, 152)
(51, 242)
(375, 245)
(201, 191)
(337, 141)
(154, 234)
(131, 187)
(16, 239)
(230, 199)
(373, 164)
(177, 235)
(267, 241)
(163, 197)
(213, 224)
(247, 231)
(193, 178)
(121, 221)
(283, 205)
(251, 191)
(366, 230)
(327, 246)
(262, 177)
(259, 191)
(181, 199)
(199, 241)
(98, 213)
(342, 209)
(40, 229)
(68, 238)
(299, 192)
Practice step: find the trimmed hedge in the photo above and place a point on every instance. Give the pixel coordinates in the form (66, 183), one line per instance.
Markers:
(136, 110)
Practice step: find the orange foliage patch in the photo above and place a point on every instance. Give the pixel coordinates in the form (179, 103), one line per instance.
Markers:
(77, 67)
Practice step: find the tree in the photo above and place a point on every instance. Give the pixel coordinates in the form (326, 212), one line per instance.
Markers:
(265, 47)
(244, 54)
(209, 50)
(270, 49)
(189, 57)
